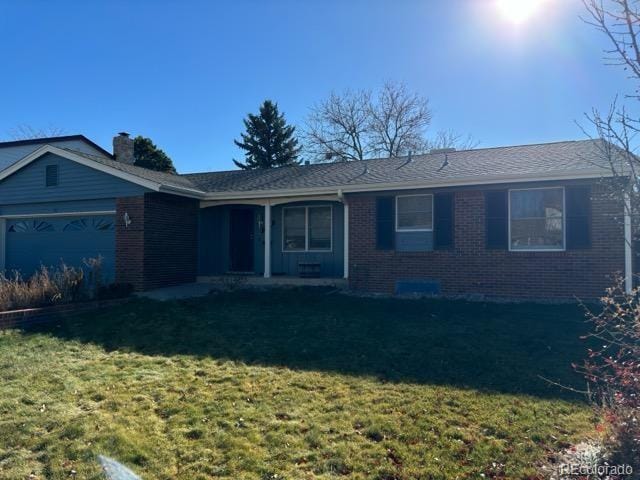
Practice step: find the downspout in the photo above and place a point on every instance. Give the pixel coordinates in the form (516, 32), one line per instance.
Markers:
(628, 251)
(345, 240)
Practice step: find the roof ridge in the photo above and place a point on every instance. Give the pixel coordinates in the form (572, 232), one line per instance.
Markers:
(418, 155)
(513, 146)
(60, 138)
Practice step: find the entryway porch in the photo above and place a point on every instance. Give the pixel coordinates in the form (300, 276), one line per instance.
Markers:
(281, 241)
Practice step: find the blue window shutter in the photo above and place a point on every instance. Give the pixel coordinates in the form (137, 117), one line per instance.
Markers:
(385, 223)
(496, 214)
(443, 220)
(578, 215)
(51, 175)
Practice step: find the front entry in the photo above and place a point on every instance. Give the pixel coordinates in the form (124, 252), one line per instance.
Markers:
(241, 240)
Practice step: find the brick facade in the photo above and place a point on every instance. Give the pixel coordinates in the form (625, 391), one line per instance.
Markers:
(160, 246)
(130, 242)
(470, 269)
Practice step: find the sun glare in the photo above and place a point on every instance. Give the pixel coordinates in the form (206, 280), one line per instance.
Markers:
(519, 11)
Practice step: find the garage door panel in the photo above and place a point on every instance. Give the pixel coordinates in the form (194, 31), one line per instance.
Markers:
(49, 241)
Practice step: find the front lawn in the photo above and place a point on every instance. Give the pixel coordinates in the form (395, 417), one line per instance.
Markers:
(293, 384)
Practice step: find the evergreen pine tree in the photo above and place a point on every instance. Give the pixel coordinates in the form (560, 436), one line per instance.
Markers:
(268, 142)
(147, 155)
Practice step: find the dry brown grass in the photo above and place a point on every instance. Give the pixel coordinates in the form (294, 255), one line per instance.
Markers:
(45, 287)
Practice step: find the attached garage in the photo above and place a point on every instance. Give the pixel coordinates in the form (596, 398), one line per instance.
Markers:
(31, 242)
(64, 205)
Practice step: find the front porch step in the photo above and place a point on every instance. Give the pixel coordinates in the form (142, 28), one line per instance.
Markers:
(275, 281)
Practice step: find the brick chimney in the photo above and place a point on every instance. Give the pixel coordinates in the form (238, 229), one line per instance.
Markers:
(123, 148)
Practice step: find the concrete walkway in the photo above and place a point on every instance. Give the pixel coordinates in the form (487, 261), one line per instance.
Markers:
(206, 285)
(274, 281)
(188, 290)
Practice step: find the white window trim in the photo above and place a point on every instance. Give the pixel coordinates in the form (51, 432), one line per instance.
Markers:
(306, 230)
(405, 229)
(564, 221)
(96, 213)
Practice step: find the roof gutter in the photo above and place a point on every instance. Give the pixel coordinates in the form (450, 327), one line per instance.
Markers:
(183, 191)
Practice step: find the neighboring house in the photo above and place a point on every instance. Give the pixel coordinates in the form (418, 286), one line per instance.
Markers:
(531, 221)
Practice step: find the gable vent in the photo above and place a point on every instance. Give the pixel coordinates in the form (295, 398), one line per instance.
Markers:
(51, 176)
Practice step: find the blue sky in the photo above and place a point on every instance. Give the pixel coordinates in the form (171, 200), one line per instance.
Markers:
(185, 73)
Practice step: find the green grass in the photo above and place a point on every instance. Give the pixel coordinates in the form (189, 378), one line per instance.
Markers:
(293, 384)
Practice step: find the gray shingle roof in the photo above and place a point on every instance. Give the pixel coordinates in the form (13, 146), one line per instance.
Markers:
(480, 164)
(168, 179)
(11, 152)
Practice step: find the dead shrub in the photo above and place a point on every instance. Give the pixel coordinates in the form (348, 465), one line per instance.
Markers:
(95, 280)
(613, 370)
(50, 286)
(231, 283)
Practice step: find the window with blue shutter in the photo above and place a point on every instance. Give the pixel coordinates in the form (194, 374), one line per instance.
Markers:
(385, 223)
(578, 212)
(443, 221)
(51, 175)
(496, 214)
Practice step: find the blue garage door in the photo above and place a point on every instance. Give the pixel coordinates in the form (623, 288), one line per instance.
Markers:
(32, 242)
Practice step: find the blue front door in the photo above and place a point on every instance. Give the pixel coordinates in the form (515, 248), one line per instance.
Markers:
(50, 241)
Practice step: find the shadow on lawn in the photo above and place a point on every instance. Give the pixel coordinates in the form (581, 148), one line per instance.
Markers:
(496, 347)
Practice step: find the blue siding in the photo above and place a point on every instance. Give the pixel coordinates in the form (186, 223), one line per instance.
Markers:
(214, 243)
(414, 241)
(10, 155)
(80, 189)
(76, 182)
(286, 263)
(102, 204)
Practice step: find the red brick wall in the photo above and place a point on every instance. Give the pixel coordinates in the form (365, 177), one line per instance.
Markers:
(160, 246)
(469, 268)
(30, 316)
(170, 239)
(130, 242)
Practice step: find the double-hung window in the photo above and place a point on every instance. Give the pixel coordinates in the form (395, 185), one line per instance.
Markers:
(414, 213)
(306, 229)
(536, 219)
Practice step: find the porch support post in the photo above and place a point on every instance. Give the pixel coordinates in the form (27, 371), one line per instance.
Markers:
(267, 240)
(628, 251)
(346, 239)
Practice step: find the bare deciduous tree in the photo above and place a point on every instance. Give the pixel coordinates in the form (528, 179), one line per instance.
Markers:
(337, 128)
(357, 125)
(28, 132)
(398, 120)
(613, 370)
(451, 139)
(619, 21)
